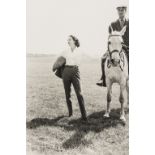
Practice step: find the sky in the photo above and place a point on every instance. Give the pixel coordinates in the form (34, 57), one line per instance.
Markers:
(50, 22)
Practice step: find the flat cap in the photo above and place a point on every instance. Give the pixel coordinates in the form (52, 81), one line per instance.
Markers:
(121, 7)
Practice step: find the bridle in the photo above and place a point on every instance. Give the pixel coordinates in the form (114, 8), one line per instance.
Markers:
(115, 51)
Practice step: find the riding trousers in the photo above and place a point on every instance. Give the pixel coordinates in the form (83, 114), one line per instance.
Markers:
(70, 76)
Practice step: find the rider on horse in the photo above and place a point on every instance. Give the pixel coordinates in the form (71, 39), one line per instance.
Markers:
(117, 26)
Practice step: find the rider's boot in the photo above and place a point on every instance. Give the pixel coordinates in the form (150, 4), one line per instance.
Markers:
(102, 81)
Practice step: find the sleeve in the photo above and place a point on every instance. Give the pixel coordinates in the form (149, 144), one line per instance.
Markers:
(79, 57)
(110, 30)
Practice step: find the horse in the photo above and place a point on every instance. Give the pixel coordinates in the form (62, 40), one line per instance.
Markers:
(116, 70)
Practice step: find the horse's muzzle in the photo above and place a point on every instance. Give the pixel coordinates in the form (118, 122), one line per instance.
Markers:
(115, 62)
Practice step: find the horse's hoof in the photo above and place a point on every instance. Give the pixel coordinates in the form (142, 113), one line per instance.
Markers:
(123, 119)
(106, 115)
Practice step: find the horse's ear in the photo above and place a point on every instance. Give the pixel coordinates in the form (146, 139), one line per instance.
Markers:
(123, 30)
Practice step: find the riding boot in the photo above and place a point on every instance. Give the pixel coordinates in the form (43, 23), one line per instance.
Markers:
(102, 81)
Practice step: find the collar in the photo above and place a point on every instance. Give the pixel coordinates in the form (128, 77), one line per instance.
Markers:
(124, 19)
(70, 50)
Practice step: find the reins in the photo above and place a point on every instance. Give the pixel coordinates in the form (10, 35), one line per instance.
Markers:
(121, 59)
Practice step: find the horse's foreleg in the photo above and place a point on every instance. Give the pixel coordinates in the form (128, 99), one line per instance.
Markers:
(122, 101)
(109, 87)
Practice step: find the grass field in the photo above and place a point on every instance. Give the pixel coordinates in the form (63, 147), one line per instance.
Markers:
(50, 132)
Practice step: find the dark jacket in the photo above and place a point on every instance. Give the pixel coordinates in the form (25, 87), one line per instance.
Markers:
(117, 27)
(58, 66)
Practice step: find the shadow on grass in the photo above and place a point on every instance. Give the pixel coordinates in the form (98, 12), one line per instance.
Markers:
(96, 123)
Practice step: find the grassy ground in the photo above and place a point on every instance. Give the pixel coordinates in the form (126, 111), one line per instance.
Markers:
(50, 132)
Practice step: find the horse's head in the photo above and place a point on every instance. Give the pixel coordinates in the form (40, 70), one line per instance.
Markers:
(115, 42)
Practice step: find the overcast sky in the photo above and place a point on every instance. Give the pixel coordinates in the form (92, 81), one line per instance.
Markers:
(49, 22)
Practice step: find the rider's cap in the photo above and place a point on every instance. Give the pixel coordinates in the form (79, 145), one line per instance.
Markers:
(122, 7)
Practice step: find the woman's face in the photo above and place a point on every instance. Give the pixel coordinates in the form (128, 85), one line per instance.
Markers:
(71, 42)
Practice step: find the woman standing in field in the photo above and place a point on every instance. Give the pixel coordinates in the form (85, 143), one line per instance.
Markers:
(71, 75)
